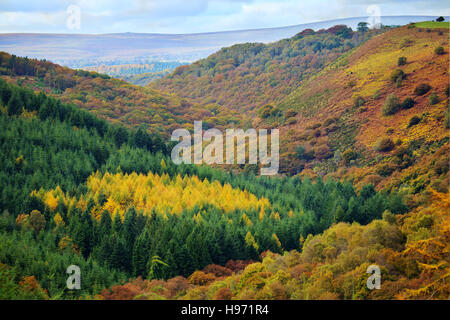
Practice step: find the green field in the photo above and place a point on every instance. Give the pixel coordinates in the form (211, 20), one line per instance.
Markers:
(432, 24)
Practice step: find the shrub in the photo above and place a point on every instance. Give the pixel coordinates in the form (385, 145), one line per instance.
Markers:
(265, 111)
(390, 130)
(358, 101)
(401, 61)
(447, 90)
(396, 75)
(389, 217)
(199, 278)
(434, 98)
(384, 144)
(413, 121)
(300, 152)
(421, 89)
(391, 105)
(223, 293)
(408, 103)
(439, 50)
(217, 270)
(349, 155)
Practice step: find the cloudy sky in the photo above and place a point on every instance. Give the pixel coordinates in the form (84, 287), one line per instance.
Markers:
(188, 16)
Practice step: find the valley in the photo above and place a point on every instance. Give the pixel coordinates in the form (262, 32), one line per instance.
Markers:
(87, 176)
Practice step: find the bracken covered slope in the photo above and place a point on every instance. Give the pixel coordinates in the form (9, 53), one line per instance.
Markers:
(357, 119)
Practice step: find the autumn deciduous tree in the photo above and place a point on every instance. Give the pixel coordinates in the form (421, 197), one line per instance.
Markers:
(223, 294)
(200, 278)
(217, 270)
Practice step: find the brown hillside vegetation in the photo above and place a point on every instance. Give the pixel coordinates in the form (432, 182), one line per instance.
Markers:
(247, 76)
(341, 126)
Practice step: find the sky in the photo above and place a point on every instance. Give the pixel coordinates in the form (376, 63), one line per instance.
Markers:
(191, 16)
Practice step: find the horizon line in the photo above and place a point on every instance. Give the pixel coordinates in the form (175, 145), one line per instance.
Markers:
(209, 32)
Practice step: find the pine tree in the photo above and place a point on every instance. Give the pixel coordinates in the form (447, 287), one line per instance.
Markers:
(15, 104)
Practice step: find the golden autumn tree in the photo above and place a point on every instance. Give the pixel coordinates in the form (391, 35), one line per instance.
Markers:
(433, 254)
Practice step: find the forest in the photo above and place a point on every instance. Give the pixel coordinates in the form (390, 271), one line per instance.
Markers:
(96, 199)
(111, 99)
(87, 178)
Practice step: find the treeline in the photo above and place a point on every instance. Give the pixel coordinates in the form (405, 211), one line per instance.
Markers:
(52, 74)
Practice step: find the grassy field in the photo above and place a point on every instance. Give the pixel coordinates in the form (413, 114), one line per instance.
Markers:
(432, 24)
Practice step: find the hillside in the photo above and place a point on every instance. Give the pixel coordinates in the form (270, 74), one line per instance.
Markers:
(330, 112)
(358, 118)
(364, 122)
(247, 76)
(111, 99)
